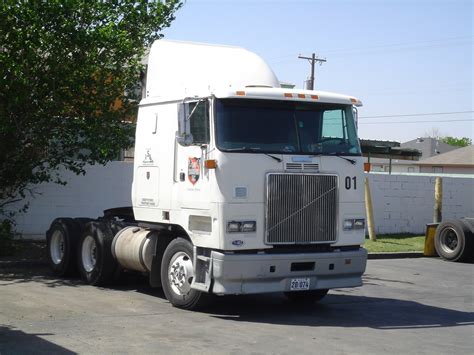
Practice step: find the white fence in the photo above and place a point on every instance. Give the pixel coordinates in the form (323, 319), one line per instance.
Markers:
(84, 196)
(402, 203)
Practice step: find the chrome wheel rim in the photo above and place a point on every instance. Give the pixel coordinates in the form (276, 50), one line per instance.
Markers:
(89, 253)
(56, 247)
(449, 240)
(180, 273)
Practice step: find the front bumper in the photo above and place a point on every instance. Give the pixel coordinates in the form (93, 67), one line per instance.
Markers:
(262, 273)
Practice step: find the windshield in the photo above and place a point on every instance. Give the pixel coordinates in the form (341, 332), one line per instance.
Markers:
(285, 127)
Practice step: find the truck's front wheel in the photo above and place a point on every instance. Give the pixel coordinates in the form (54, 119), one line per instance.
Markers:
(177, 275)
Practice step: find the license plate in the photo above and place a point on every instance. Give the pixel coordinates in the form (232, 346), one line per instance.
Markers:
(299, 284)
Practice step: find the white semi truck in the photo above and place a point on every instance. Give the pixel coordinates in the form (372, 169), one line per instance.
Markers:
(239, 186)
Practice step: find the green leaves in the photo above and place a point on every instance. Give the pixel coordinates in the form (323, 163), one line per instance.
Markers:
(459, 142)
(65, 67)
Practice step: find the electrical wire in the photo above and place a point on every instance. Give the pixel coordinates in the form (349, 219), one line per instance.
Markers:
(419, 114)
(430, 121)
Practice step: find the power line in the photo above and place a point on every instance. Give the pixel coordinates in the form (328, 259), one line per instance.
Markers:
(404, 45)
(430, 121)
(390, 47)
(420, 114)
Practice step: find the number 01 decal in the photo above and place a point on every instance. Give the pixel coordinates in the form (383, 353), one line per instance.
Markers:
(351, 182)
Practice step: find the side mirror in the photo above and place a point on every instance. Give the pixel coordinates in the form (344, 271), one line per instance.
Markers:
(356, 116)
(183, 135)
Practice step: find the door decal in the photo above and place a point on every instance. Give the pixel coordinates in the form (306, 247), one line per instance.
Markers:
(194, 170)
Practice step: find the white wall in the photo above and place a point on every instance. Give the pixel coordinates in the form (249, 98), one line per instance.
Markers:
(84, 196)
(404, 203)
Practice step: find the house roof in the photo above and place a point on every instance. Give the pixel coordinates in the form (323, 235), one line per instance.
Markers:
(428, 146)
(458, 157)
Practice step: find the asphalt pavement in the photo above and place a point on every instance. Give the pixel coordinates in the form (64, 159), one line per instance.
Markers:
(409, 306)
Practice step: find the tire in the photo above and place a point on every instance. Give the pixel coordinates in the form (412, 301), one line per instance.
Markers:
(454, 240)
(81, 222)
(309, 296)
(62, 239)
(96, 264)
(177, 275)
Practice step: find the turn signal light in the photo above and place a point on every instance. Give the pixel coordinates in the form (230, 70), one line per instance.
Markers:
(210, 164)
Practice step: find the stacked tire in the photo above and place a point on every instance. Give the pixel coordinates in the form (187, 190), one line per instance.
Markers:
(454, 240)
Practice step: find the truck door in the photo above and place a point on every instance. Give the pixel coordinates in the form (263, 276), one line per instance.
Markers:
(192, 178)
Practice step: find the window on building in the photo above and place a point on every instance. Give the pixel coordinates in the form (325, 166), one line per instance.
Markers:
(411, 169)
(437, 169)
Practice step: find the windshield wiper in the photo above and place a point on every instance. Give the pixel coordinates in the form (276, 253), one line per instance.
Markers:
(245, 149)
(339, 154)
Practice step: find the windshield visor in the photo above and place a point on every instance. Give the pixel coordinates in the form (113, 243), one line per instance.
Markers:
(285, 127)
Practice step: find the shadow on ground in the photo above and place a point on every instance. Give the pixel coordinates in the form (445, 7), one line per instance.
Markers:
(14, 341)
(341, 308)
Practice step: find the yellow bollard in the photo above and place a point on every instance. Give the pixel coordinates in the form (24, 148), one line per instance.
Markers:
(430, 249)
(438, 200)
(369, 212)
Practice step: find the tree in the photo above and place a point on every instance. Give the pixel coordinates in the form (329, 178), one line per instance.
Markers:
(459, 142)
(69, 71)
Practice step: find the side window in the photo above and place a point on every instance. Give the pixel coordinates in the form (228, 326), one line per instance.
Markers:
(333, 124)
(199, 122)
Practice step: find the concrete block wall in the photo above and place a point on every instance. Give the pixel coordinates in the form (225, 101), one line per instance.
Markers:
(404, 203)
(84, 196)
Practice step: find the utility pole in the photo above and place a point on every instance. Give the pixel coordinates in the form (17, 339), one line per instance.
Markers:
(312, 60)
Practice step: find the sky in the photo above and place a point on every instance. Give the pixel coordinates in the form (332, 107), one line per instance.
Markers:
(409, 60)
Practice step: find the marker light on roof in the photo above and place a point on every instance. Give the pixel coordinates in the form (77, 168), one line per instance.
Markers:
(288, 94)
(301, 96)
(240, 93)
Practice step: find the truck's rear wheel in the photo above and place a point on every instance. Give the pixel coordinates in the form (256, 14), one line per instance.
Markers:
(177, 275)
(62, 238)
(306, 296)
(96, 264)
(454, 240)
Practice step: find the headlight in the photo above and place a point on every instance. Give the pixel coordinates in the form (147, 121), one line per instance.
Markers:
(241, 227)
(233, 227)
(249, 226)
(353, 223)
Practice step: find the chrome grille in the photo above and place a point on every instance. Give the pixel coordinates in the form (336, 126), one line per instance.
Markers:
(302, 166)
(301, 208)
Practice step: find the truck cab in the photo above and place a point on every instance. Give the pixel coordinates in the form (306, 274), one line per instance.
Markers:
(265, 182)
